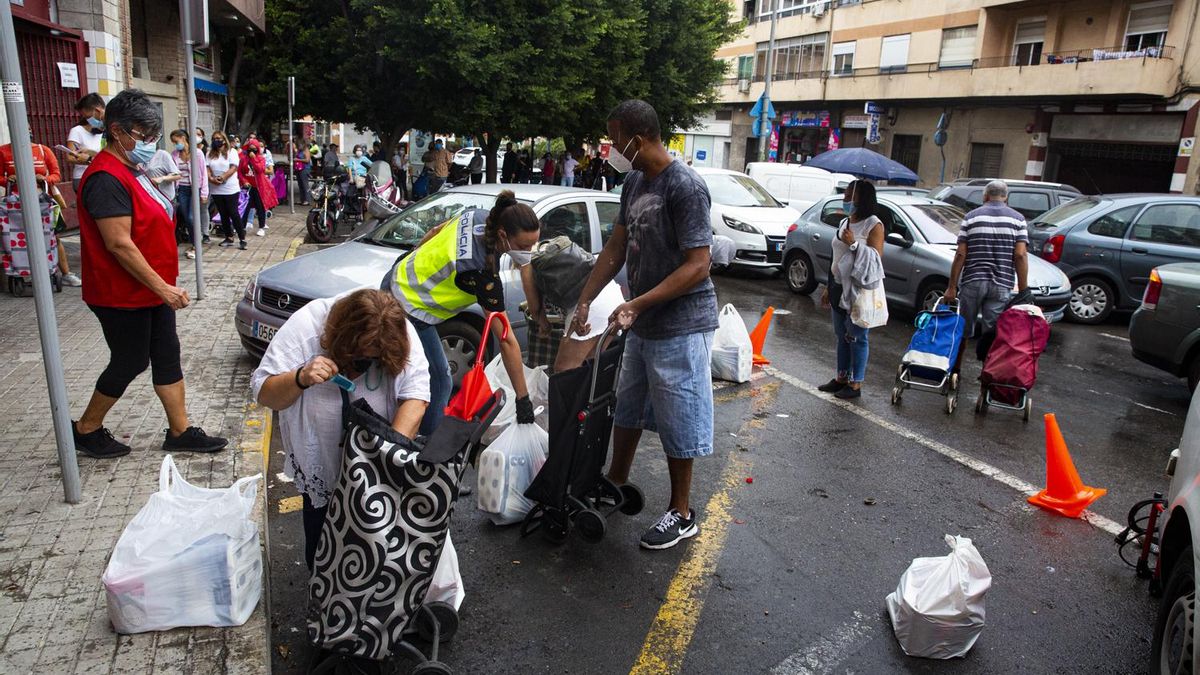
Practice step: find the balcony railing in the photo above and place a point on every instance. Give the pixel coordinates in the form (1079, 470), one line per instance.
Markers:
(1058, 58)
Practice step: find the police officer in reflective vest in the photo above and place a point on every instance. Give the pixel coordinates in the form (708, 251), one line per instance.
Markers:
(456, 265)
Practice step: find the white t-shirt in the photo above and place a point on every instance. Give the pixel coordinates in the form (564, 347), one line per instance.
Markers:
(311, 429)
(86, 140)
(219, 165)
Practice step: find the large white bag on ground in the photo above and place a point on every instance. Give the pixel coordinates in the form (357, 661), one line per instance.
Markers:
(538, 383)
(507, 468)
(732, 351)
(937, 609)
(190, 557)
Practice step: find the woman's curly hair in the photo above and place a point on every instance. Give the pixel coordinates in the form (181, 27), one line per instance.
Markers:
(364, 321)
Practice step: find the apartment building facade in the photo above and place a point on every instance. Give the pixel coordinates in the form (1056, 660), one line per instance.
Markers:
(1101, 94)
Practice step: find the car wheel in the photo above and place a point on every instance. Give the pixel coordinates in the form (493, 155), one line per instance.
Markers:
(1173, 650)
(931, 292)
(460, 342)
(798, 271)
(1091, 301)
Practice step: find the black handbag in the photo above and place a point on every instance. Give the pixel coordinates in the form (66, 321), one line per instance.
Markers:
(560, 270)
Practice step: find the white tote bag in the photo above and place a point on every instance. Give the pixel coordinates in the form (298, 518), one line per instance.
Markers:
(538, 384)
(732, 351)
(870, 308)
(190, 557)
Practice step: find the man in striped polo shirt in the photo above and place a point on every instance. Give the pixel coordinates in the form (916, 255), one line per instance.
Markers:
(990, 261)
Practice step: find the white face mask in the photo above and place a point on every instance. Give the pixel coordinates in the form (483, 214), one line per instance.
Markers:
(620, 162)
(521, 258)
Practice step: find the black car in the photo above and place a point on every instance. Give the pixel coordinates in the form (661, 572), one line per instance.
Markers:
(1030, 198)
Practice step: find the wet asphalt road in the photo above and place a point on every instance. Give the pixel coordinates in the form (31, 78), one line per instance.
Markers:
(838, 506)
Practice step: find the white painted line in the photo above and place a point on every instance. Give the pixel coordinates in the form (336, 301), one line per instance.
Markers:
(1129, 400)
(1096, 520)
(1110, 336)
(829, 650)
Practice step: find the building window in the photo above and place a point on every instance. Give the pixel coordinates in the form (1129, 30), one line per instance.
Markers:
(1027, 45)
(745, 67)
(893, 58)
(985, 160)
(1148, 22)
(906, 149)
(766, 6)
(958, 47)
(843, 58)
(795, 58)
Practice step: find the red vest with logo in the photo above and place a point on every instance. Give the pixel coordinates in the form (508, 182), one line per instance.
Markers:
(105, 282)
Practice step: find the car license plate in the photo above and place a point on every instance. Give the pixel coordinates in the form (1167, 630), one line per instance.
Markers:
(263, 332)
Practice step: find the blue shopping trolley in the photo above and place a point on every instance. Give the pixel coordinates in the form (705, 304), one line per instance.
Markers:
(928, 364)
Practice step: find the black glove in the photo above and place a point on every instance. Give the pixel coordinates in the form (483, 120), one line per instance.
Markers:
(1024, 297)
(524, 410)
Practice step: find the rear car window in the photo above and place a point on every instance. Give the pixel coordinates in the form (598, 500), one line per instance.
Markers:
(1029, 204)
(1060, 215)
(1174, 224)
(1114, 224)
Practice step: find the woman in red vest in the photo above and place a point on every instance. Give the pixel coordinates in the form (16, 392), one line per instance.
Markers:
(130, 265)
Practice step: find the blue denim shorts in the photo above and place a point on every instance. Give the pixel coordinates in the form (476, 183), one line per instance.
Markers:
(666, 387)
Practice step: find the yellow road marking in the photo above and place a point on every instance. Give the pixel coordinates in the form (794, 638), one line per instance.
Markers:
(674, 626)
(291, 252)
(291, 504)
(266, 442)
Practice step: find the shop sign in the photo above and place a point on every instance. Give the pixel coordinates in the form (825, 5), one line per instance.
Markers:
(835, 139)
(872, 108)
(856, 121)
(806, 118)
(773, 155)
(676, 145)
(873, 136)
(1186, 145)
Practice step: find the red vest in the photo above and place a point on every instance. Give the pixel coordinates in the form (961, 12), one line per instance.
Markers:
(105, 282)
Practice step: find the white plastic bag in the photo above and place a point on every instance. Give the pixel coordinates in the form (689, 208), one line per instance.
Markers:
(507, 468)
(732, 351)
(870, 308)
(538, 383)
(937, 609)
(447, 583)
(190, 557)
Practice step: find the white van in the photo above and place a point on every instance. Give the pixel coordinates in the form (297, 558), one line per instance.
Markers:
(798, 186)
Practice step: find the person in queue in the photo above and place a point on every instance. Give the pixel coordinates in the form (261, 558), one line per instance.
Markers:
(45, 171)
(223, 162)
(364, 336)
(84, 139)
(130, 265)
(861, 228)
(468, 247)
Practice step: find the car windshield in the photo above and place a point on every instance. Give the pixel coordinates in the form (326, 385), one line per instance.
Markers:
(1061, 214)
(405, 229)
(938, 222)
(734, 190)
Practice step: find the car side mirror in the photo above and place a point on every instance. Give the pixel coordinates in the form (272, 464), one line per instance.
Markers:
(897, 239)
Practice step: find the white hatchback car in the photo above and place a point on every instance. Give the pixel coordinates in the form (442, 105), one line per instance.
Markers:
(745, 212)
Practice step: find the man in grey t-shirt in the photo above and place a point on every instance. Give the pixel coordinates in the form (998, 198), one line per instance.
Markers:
(662, 236)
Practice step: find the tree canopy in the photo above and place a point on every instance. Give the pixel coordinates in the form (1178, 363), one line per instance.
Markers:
(505, 68)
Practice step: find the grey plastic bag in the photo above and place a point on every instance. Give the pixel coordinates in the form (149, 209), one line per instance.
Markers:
(560, 271)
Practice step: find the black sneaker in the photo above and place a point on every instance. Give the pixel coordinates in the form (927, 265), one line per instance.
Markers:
(848, 392)
(831, 386)
(671, 529)
(226, 243)
(242, 245)
(99, 444)
(193, 440)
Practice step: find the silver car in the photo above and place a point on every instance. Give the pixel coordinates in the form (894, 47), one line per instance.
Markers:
(585, 216)
(922, 235)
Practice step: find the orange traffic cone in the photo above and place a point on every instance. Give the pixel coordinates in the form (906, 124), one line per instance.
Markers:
(1065, 492)
(759, 335)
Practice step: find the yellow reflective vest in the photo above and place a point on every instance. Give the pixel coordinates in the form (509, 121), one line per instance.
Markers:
(424, 281)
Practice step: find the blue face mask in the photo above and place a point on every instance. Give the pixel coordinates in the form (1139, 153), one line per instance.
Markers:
(179, 147)
(95, 123)
(847, 206)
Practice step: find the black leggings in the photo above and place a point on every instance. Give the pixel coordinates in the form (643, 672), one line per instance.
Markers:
(138, 338)
(314, 520)
(227, 208)
(256, 203)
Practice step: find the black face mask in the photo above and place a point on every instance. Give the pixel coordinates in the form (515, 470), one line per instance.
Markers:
(217, 143)
(362, 364)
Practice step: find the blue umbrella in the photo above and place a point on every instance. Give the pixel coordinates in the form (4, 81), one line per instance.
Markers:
(863, 163)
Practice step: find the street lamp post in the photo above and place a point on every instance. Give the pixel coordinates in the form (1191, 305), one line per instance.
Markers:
(39, 269)
(192, 12)
(764, 128)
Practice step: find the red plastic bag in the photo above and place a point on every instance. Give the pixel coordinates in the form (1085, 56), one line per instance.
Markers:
(475, 390)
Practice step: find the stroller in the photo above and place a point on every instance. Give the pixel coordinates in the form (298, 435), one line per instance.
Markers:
(571, 488)
(931, 355)
(384, 533)
(1010, 370)
(14, 251)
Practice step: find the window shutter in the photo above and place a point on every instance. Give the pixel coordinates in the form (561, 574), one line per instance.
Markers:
(1030, 31)
(958, 47)
(894, 54)
(1149, 19)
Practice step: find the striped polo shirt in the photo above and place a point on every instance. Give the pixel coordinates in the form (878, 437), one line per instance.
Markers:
(991, 232)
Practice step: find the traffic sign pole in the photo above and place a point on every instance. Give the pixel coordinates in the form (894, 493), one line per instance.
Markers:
(764, 127)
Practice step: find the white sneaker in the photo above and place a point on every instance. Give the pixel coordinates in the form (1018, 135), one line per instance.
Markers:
(262, 232)
(71, 280)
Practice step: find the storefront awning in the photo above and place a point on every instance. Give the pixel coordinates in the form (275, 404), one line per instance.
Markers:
(211, 87)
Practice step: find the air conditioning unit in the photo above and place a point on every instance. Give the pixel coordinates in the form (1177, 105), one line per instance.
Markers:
(141, 67)
(819, 10)
(744, 85)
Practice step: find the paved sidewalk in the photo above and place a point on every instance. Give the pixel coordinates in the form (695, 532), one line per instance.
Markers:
(53, 612)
